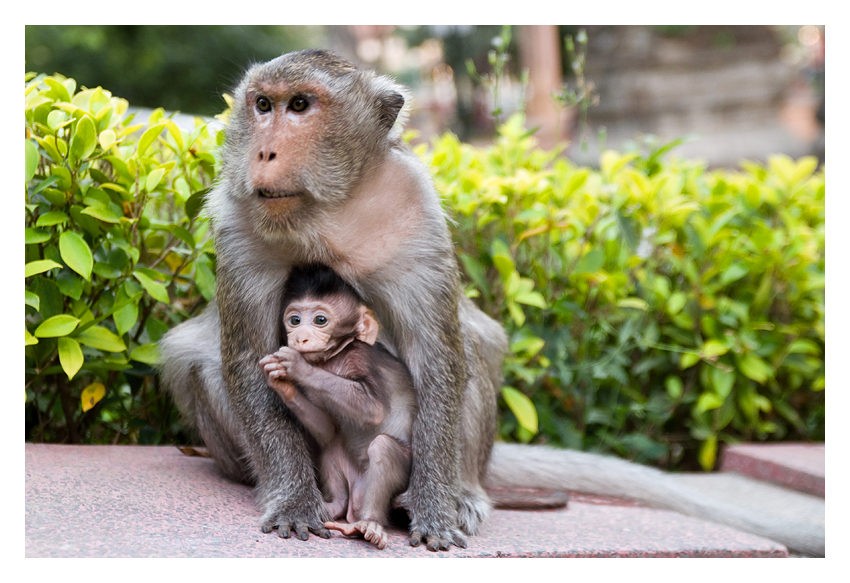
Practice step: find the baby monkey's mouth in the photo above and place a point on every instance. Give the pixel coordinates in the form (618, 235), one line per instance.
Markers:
(268, 193)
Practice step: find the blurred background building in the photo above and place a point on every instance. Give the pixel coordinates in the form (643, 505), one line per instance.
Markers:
(737, 91)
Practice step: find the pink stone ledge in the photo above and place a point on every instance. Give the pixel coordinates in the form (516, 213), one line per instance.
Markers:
(799, 466)
(129, 501)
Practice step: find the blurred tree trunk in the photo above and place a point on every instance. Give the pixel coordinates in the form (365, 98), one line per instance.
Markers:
(540, 54)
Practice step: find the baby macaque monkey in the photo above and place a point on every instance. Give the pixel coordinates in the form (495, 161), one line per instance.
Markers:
(353, 396)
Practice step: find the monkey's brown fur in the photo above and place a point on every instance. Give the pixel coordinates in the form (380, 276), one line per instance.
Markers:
(334, 184)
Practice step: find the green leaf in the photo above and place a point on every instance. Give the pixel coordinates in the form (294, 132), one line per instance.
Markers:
(531, 298)
(153, 179)
(713, 348)
(84, 139)
(149, 137)
(60, 325)
(688, 359)
(39, 266)
(753, 367)
(34, 236)
(31, 159)
(635, 303)
(147, 353)
(591, 262)
(674, 386)
(155, 289)
(723, 381)
(51, 218)
(103, 213)
(102, 339)
(76, 253)
(804, 346)
(195, 203)
(707, 402)
(70, 356)
(676, 302)
(31, 299)
(522, 408)
(735, 272)
(30, 339)
(530, 345)
(126, 318)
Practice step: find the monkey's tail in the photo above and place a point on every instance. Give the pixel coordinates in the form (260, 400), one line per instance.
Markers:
(526, 466)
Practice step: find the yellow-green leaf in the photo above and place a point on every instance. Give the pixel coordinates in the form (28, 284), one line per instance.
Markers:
(147, 353)
(148, 138)
(155, 289)
(153, 179)
(30, 339)
(92, 395)
(70, 356)
(107, 139)
(76, 253)
(687, 360)
(755, 368)
(60, 325)
(39, 266)
(31, 159)
(51, 218)
(713, 348)
(522, 408)
(85, 138)
(102, 339)
(708, 453)
(636, 303)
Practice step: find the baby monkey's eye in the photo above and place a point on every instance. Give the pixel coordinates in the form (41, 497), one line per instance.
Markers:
(264, 104)
(320, 321)
(295, 320)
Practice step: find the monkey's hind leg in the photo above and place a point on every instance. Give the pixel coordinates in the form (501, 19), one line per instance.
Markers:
(191, 372)
(484, 345)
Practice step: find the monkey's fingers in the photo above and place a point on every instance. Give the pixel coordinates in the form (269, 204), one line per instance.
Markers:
(301, 530)
(438, 541)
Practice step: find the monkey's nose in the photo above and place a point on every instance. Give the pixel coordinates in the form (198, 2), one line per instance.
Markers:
(267, 156)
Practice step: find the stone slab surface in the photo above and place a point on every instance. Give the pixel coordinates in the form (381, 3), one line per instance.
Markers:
(122, 501)
(798, 466)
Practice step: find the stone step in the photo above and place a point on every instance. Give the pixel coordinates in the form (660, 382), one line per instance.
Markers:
(799, 466)
(138, 501)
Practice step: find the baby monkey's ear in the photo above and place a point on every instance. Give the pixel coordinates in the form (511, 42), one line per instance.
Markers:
(367, 327)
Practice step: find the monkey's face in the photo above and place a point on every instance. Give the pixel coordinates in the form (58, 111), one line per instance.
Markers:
(303, 128)
(316, 328)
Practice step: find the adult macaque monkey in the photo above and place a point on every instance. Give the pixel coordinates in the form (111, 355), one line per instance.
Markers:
(314, 173)
(350, 394)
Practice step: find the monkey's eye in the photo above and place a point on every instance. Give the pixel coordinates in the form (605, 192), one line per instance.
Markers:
(298, 104)
(320, 321)
(295, 320)
(264, 104)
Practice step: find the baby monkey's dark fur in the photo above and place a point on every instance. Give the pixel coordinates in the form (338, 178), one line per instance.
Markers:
(354, 398)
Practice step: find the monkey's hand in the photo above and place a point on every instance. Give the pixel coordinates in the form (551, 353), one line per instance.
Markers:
(276, 377)
(292, 363)
(435, 536)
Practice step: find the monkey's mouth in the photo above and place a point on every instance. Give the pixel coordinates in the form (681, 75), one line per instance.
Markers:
(274, 194)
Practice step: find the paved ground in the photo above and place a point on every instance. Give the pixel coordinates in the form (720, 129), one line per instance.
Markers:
(121, 501)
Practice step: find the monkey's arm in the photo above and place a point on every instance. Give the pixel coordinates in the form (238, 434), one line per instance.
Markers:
(314, 420)
(275, 447)
(342, 397)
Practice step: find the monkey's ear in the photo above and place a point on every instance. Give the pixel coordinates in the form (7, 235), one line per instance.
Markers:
(391, 104)
(367, 327)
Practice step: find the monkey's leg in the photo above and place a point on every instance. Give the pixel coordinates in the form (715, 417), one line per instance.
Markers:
(191, 372)
(333, 467)
(386, 475)
(275, 445)
(484, 347)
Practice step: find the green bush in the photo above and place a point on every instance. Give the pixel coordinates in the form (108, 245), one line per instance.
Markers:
(654, 307)
(114, 257)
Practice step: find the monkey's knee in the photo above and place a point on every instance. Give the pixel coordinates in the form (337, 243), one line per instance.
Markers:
(387, 454)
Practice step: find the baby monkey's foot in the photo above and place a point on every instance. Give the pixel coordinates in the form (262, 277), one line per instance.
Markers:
(371, 531)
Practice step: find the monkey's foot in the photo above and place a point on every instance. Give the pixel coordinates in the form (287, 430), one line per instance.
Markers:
(472, 510)
(371, 531)
(300, 526)
(436, 539)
